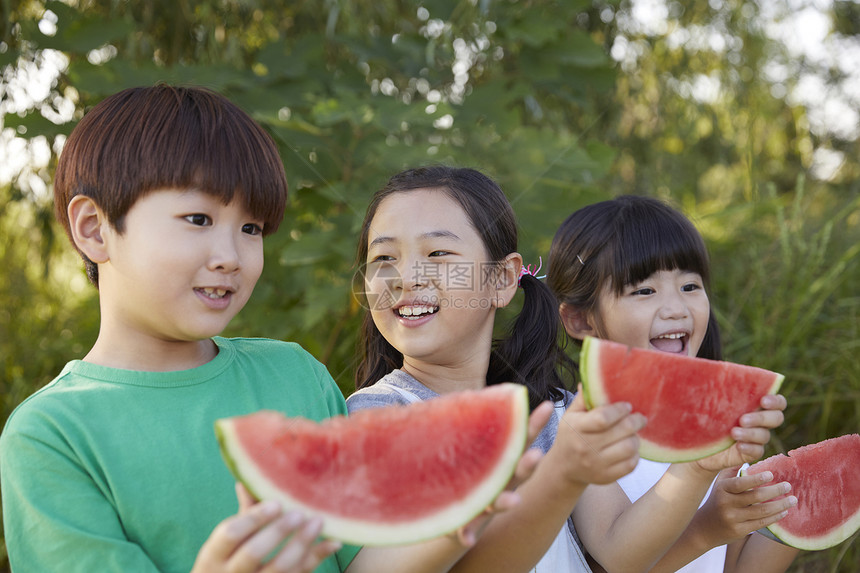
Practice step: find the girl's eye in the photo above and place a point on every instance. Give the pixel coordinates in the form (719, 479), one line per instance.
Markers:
(381, 258)
(643, 291)
(439, 253)
(690, 287)
(252, 229)
(199, 219)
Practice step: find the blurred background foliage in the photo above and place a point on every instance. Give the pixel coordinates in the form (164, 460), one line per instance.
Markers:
(709, 104)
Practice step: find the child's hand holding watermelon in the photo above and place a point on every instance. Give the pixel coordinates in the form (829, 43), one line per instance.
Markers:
(739, 505)
(750, 437)
(596, 446)
(243, 541)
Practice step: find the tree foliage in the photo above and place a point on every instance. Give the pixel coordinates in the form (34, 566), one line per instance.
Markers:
(526, 91)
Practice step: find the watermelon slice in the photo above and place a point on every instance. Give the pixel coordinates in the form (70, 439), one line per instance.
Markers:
(385, 476)
(824, 478)
(691, 403)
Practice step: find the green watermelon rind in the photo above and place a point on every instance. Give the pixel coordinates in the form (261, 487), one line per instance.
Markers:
(821, 542)
(358, 532)
(595, 396)
(836, 537)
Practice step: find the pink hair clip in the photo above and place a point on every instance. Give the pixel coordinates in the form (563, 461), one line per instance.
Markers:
(528, 270)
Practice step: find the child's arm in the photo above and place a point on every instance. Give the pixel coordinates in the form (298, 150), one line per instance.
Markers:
(758, 554)
(653, 529)
(606, 520)
(590, 447)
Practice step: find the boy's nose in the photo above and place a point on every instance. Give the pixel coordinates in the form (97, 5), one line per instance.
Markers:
(225, 254)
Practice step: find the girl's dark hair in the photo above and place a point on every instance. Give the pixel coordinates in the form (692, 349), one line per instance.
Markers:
(163, 137)
(529, 353)
(624, 241)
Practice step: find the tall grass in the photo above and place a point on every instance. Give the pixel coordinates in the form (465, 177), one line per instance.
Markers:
(786, 273)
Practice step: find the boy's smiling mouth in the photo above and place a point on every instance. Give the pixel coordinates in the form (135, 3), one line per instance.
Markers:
(213, 292)
(674, 342)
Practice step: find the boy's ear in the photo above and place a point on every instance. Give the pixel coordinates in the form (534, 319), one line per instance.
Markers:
(577, 322)
(507, 279)
(86, 221)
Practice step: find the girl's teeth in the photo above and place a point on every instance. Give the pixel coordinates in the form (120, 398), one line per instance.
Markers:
(671, 336)
(415, 310)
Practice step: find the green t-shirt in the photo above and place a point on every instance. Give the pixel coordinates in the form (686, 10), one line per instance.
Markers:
(119, 471)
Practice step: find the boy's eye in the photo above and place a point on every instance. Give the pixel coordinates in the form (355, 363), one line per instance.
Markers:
(252, 229)
(199, 219)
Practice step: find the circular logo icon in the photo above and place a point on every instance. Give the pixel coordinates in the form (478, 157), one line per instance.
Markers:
(374, 286)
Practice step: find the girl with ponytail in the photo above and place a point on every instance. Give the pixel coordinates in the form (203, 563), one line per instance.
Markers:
(438, 254)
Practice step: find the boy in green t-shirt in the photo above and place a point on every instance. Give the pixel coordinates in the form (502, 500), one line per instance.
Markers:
(167, 194)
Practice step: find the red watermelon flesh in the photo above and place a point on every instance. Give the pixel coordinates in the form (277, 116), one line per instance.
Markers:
(387, 475)
(825, 478)
(691, 403)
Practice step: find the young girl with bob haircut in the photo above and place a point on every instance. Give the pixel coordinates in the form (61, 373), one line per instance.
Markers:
(636, 271)
(439, 249)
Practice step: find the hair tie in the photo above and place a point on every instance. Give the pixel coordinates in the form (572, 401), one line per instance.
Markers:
(527, 270)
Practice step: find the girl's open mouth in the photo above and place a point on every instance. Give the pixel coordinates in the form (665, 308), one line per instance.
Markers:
(674, 342)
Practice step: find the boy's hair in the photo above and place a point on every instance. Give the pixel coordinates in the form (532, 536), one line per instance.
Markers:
(529, 353)
(624, 241)
(165, 137)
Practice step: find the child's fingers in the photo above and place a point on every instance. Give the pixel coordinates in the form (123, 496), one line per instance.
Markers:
(756, 435)
(246, 500)
(760, 515)
(319, 552)
(739, 484)
(762, 419)
(538, 419)
(250, 555)
(749, 452)
(773, 402)
(760, 495)
(505, 501)
(620, 450)
(618, 469)
(525, 467)
(233, 531)
(609, 462)
(598, 419)
(578, 404)
(468, 535)
(298, 553)
(590, 431)
(625, 429)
